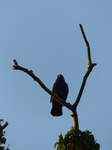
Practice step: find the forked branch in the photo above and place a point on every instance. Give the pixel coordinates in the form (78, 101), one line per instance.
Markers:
(68, 105)
(89, 69)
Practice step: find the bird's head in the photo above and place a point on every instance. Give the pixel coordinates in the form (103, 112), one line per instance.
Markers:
(60, 77)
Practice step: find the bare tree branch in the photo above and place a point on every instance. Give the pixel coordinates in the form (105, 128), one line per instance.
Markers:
(89, 69)
(30, 73)
(87, 45)
(68, 105)
(5, 125)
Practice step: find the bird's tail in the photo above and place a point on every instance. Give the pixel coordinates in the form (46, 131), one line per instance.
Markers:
(56, 112)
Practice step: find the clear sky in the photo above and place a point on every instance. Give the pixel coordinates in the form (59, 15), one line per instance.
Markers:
(44, 35)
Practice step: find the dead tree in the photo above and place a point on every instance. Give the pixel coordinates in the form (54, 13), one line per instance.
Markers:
(72, 107)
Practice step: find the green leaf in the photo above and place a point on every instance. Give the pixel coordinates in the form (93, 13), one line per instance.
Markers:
(3, 140)
(77, 140)
(2, 147)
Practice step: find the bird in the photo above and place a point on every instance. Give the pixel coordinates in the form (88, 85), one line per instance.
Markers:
(60, 88)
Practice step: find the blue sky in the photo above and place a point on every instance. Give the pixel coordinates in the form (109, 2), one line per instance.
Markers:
(44, 36)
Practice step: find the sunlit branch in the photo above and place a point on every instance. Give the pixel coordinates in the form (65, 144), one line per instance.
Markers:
(87, 45)
(75, 119)
(30, 73)
(68, 105)
(89, 69)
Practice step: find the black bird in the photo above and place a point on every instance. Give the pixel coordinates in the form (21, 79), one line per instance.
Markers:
(60, 88)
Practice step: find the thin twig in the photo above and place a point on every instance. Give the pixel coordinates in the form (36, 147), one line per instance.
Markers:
(87, 45)
(5, 125)
(8, 147)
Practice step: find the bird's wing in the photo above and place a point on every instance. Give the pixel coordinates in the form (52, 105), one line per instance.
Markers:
(54, 90)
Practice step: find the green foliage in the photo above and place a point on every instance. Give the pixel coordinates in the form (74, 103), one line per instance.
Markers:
(77, 140)
(2, 139)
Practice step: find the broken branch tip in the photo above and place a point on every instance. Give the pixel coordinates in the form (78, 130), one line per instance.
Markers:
(15, 62)
(13, 67)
